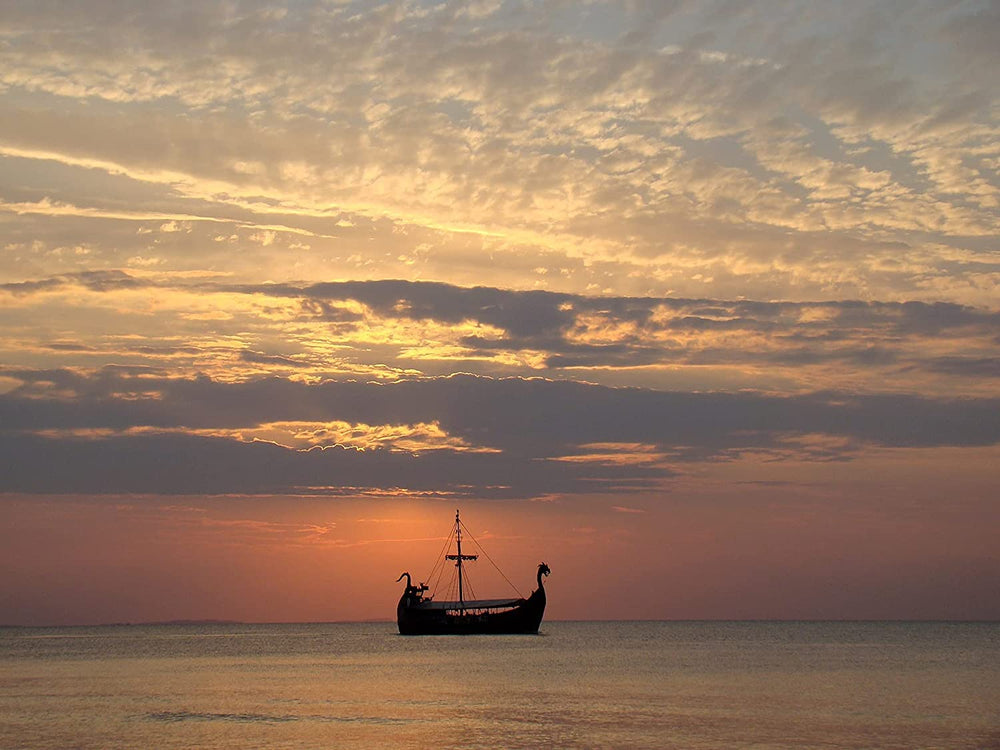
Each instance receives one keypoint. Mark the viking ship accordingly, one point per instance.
(420, 614)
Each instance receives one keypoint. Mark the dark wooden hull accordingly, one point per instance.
(524, 617)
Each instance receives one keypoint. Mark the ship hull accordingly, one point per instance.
(523, 618)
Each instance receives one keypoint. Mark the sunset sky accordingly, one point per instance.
(695, 301)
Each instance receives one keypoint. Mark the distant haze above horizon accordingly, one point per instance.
(695, 301)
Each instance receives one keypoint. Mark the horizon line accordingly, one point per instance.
(379, 621)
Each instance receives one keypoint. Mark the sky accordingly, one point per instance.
(697, 302)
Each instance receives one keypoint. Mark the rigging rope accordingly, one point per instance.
(487, 556)
(439, 563)
(451, 592)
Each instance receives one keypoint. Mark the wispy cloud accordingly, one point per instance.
(700, 150)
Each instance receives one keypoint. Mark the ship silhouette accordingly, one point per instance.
(420, 614)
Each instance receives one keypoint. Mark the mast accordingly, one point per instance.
(458, 558)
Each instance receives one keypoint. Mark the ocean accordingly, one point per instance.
(575, 685)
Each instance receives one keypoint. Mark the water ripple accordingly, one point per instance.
(251, 718)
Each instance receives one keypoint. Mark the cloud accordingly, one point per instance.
(779, 153)
(777, 219)
(576, 331)
(183, 465)
(543, 436)
(390, 328)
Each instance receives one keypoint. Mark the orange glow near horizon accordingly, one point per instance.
(711, 550)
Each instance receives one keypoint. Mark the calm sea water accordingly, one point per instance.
(589, 685)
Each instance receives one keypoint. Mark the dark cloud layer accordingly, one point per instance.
(187, 464)
(525, 424)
